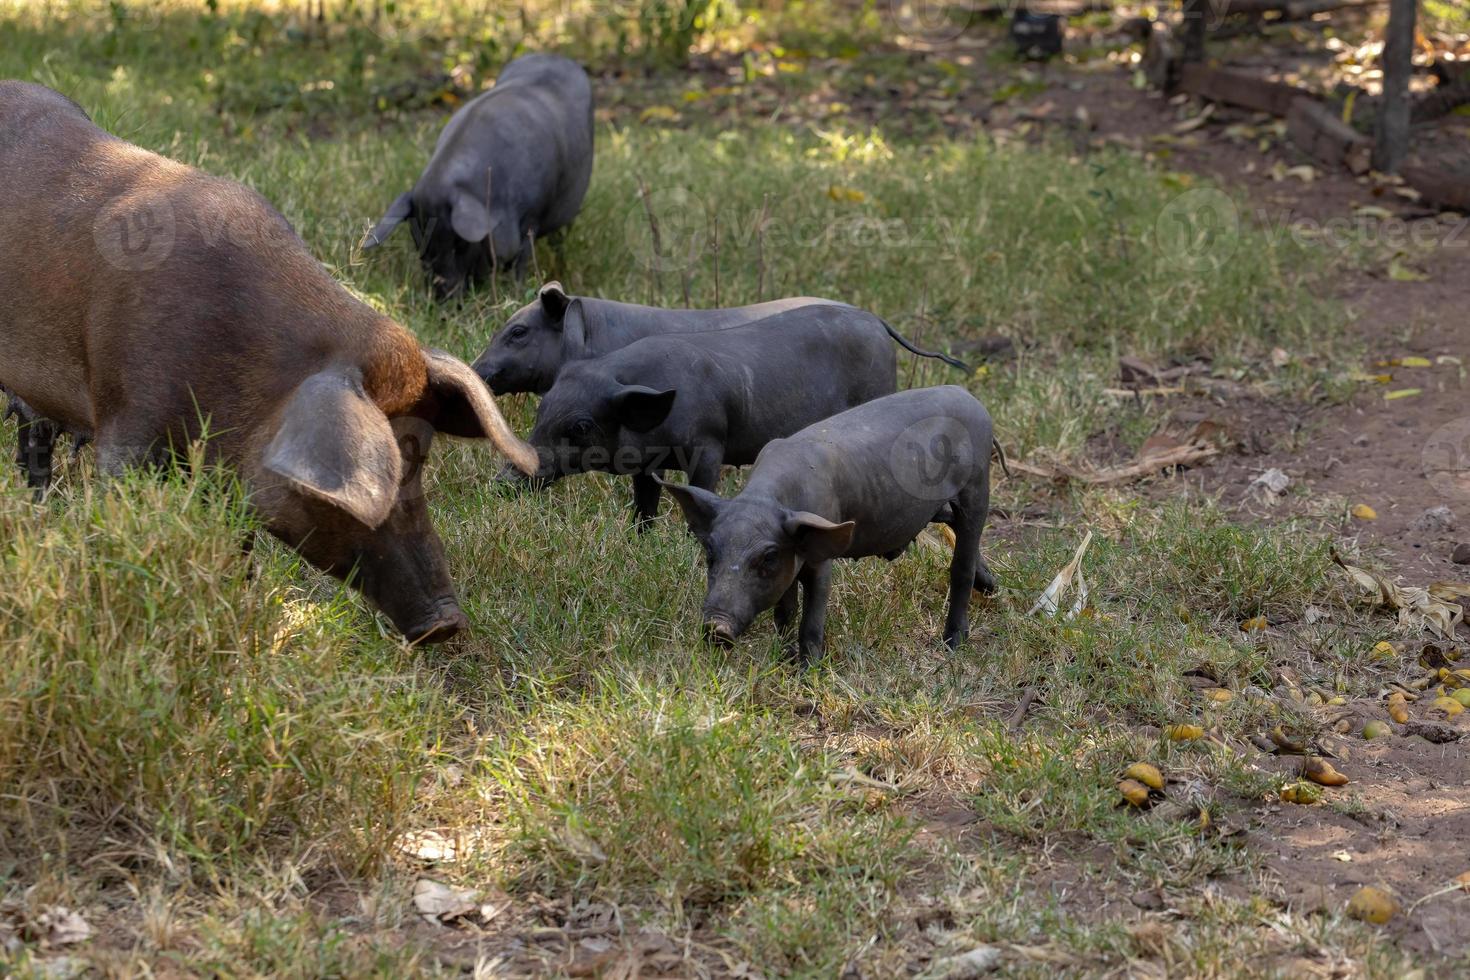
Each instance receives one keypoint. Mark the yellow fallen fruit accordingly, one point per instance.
(1463, 696)
(1372, 905)
(1254, 624)
(1320, 771)
(1383, 649)
(1376, 729)
(1218, 694)
(1146, 774)
(1183, 733)
(1398, 710)
(1304, 794)
(1449, 706)
(1364, 513)
(1285, 742)
(1134, 792)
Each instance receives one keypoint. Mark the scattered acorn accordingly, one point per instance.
(1134, 792)
(1376, 729)
(1449, 706)
(1146, 774)
(1320, 771)
(1302, 793)
(1285, 742)
(1398, 709)
(1372, 905)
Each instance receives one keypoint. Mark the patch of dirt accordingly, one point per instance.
(1409, 810)
(1402, 457)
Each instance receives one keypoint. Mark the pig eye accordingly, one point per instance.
(580, 429)
(768, 564)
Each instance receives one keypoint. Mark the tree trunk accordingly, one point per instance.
(1392, 140)
(1195, 14)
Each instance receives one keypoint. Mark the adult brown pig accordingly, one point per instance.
(147, 303)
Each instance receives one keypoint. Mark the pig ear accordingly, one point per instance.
(336, 445)
(574, 329)
(818, 539)
(640, 409)
(469, 218)
(554, 301)
(464, 407)
(700, 507)
(398, 213)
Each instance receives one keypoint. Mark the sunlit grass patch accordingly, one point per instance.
(168, 693)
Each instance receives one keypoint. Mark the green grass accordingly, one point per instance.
(208, 750)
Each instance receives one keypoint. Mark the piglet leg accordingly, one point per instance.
(785, 613)
(816, 582)
(646, 493)
(969, 519)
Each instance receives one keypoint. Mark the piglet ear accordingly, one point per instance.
(700, 507)
(641, 409)
(554, 301)
(335, 445)
(818, 539)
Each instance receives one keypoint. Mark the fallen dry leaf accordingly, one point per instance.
(60, 926)
(1415, 606)
(440, 903)
(1050, 600)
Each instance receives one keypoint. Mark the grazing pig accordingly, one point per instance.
(146, 302)
(542, 337)
(697, 401)
(865, 482)
(511, 166)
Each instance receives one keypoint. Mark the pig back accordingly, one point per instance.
(144, 295)
(889, 464)
(606, 325)
(768, 379)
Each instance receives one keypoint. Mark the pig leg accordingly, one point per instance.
(785, 612)
(969, 520)
(37, 446)
(646, 493)
(704, 471)
(816, 583)
(984, 579)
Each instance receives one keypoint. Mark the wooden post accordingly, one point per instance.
(1391, 144)
(1195, 14)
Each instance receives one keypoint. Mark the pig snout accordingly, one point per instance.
(444, 621)
(719, 632)
(493, 373)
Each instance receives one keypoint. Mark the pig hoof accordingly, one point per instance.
(719, 633)
(985, 582)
